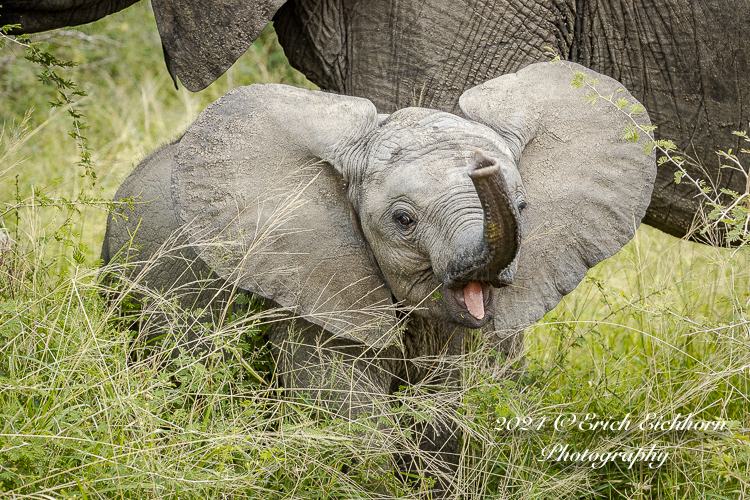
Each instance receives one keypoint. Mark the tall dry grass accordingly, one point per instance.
(658, 330)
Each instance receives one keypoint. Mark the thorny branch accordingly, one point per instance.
(735, 216)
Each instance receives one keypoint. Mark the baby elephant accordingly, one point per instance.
(388, 237)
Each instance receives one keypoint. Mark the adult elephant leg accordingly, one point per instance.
(690, 77)
(435, 351)
(351, 380)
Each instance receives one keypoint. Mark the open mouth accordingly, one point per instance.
(471, 304)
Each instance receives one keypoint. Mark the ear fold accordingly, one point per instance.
(254, 181)
(203, 38)
(588, 188)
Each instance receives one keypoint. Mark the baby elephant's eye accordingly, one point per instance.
(404, 221)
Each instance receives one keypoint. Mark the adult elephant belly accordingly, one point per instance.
(687, 62)
(42, 15)
(407, 53)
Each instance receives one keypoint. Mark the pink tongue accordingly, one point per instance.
(474, 299)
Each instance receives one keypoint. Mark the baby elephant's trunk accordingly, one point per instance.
(502, 227)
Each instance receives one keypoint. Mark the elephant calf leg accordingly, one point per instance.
(437, 434)
(345, 378)
(340, 375)
(353, 381)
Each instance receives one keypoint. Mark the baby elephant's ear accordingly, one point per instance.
(587, 186)
(257, 182)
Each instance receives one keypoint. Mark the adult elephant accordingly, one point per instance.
(687, 61)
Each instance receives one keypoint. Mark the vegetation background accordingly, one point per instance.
(659, 329)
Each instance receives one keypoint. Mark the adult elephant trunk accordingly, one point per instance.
(502, 228)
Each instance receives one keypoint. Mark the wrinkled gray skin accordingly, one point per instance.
(353, 220)
(687, 62)
(428, 180)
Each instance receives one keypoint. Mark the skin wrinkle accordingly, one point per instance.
(449, 70)
(432, 334)
(363, 29)
(434, 132)
(454, 66)
(702, 90)
(415, 147)
(330, 71)
(565, 27)
(680, 124)
(417, 263)
(424, 280)
(393, 21)
(465, 210)
(429, 81)
(354, 165)
(669, 53)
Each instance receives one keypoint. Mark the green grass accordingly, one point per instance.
(131, 108)
(660, 328)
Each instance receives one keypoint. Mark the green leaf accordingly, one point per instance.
(733, 194)
(636, 109)
(552, 53)
(630, 133)
(666, 145)
(78, 256)
(578, 80)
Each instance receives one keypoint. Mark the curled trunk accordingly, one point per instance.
(502, 228)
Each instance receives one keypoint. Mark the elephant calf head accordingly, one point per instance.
(345, 216)
(438, 198)
(317, 202)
